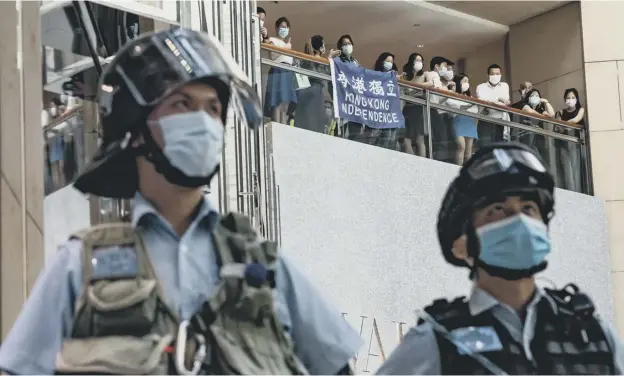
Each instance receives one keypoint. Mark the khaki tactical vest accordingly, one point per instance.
(123, 325)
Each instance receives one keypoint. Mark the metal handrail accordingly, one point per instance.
(411, 99)
(412, 85)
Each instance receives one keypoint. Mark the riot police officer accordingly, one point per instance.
(494, 220)
(180, 289)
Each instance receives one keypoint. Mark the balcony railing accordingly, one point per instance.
(431, 115)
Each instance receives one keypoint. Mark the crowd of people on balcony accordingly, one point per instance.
(454, 136)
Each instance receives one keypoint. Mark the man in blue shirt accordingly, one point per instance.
(163, 106)
(494, 220)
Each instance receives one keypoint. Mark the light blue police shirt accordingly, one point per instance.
(187, 269)
(419, 354)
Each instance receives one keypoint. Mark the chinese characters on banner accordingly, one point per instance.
(366, 96)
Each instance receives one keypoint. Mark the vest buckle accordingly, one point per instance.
(180, 351)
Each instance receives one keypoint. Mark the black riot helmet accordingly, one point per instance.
(495, 171)
(140, 76)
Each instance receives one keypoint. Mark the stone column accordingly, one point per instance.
(21, 156)
(603, 54)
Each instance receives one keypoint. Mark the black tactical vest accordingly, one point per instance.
(567, 341)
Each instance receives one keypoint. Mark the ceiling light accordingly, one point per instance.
(420, 46)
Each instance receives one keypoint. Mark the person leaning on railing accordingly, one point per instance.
(464, 127)
(438, 76)
(413, 71)
(310, 112)
(568, 154)
(494, 91)
(535, 104)
(280, 92)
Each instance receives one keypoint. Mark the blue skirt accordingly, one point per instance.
(280, 88)
(465, 126)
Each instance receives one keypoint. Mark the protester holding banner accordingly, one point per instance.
(345, 46)
(280, 82)
(364, 96)
(386, 138)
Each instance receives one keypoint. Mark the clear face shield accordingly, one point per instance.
(159, 64)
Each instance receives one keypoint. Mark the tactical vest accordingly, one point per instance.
(122, 325)
(567, 341)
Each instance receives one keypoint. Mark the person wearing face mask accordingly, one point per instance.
(181, 288)
(310, 112)
(280, 86)
(385, 138)
(414, 116)
(535, 104)
(464, 127)
(497, 92)
(573, 111)
(494, 220)
(345, 45)
(568, 158)
(441, 123)
(349, 129)
(264, 33)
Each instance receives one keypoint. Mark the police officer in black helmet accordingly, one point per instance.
(494, 220)
(181, 289)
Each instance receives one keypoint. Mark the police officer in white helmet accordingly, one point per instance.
(180, 289)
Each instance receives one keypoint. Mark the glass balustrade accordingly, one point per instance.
(433, 119)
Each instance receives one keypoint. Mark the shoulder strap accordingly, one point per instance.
(575, 313)
(570, 301)
(238, 242)
(448, 313)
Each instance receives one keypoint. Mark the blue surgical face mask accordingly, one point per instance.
(387, 65)
(283, 32)
(193, 142)
(518, 243)
(442, 72)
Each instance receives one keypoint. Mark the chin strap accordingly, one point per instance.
(510, 274)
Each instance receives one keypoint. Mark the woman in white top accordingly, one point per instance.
(280, 91)
(464, 127)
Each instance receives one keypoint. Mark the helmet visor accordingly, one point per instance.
(158, 64)
(504, 160)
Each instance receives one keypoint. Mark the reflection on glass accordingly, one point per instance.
(63, 128)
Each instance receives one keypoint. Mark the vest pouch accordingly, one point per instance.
(121, 355)
(246, 348)
(123, 307)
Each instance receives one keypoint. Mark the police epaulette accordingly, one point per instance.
(444, 311)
